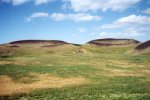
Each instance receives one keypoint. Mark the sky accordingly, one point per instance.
(74, 21)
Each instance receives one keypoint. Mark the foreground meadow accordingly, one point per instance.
(74, 73)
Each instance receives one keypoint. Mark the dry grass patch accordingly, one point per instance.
(12, 62)
(117, 72)
(4, 62)
(123, 74)
(124, 64)
(8, 86)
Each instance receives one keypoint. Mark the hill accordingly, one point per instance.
(113, 42)
(35, 70)
(143, 48)
(36, 43)
(57, 46)
(38, 47)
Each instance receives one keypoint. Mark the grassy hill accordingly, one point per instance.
(64, 71)
(113, 42)
(143, 48)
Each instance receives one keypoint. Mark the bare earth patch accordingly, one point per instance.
(8, 86)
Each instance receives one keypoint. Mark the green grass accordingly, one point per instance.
(17, 71)
(95, 65)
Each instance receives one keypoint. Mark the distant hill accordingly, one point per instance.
(112, 41)
(57, 46)
(38, 41)
(143, 48)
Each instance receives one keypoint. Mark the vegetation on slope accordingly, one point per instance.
(102, 73)
(143, 48)
(112, 41)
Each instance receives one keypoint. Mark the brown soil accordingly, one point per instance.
(13, 46)
(8, 86)
(143, 45)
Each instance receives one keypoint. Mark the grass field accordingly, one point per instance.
(61, 73)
